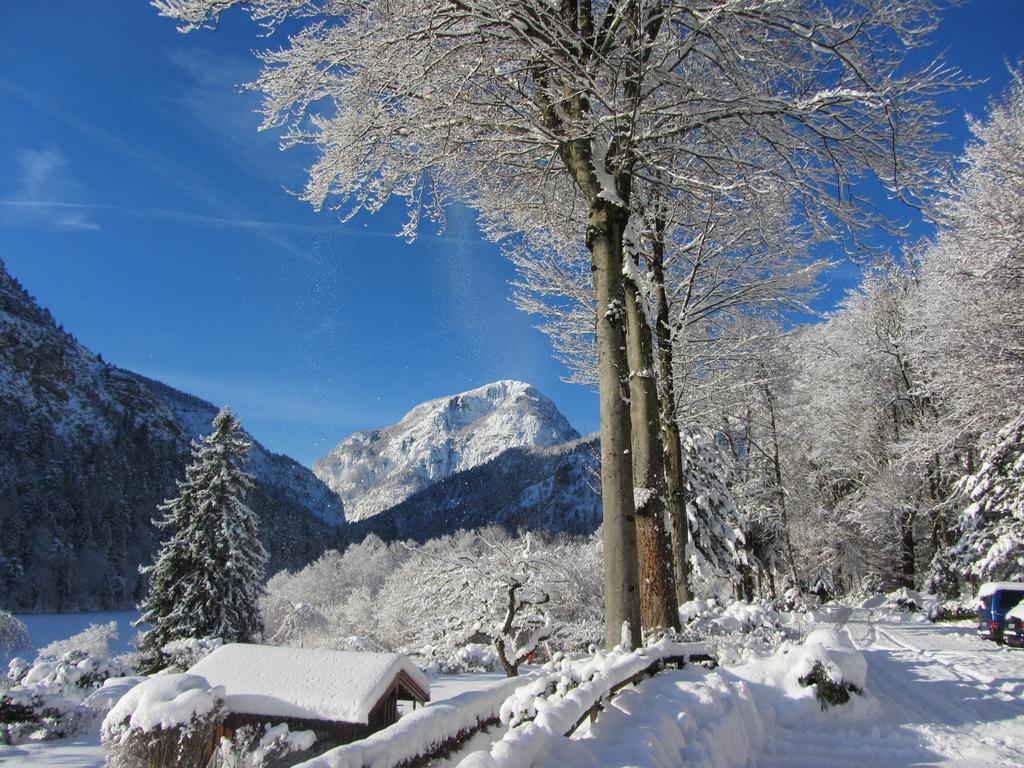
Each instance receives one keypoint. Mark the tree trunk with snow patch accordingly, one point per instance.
(658, 606)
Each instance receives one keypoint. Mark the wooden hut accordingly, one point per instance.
(342, 696)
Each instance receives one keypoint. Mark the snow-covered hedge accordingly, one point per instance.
(253, 747)
(165, 721)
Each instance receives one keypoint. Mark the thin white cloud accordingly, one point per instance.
(197, 187)
(45, 195)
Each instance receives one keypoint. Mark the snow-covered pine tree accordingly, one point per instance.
(208, 576)
(717, 544)
(992, 544)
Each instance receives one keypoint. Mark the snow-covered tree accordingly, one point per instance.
(208, 576)
(992, 543)
(13, 634)
(498, 103)
(489, 589)
(94, 640)
(717, 547)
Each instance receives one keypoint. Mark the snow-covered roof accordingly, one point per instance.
(316, 684)
(990, 588)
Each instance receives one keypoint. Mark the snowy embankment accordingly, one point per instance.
(689, 717)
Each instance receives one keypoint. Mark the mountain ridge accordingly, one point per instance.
(87, 452)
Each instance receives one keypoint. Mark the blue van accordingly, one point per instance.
(994, 600)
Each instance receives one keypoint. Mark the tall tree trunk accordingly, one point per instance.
(658, 606)
(907, 550)
(621, 582)
(777, 469)
(671, 442)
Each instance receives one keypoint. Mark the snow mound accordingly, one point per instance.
(161, 702)
(834, 650)
(316, 684)
(111, 692)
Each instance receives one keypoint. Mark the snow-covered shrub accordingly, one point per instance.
(956, 609)
(812, 676)
(456, 658)
(904, 599)
(182, 654)
(13, 634)
(94, 640)
(301, 626)
(47, 699)
(165, 721)
(251, 748)
(29, 713)
(735, 630)
(18, 668)
(829, 661)
(794, 600)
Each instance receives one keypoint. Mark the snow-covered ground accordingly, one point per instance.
(936, 695)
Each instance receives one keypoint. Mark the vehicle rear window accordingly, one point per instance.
(1005, 600)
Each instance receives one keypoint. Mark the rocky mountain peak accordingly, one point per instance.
(378, 469)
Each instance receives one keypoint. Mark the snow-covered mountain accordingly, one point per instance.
(379, 469)
(88, 450)
(554, 489)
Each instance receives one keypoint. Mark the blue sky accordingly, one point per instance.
(139, 204)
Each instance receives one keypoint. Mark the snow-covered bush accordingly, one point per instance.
(904, 599)
(47, 700)
(829, 661)
(821, 672)
(250, 748)
(956, 609)
(455, 658)
(736, 630)
(13, 634)
(301, 626)
(165, 721)
(94, 641)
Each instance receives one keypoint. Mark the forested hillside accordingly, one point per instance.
(88, 451)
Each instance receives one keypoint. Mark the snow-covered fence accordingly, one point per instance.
(575, 691)
(555, 705)
(426, 734)
(557, 698)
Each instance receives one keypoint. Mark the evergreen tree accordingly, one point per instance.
(717, 546)
(208, 576)
(992, 544)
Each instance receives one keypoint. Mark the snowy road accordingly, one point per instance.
(943, 697)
